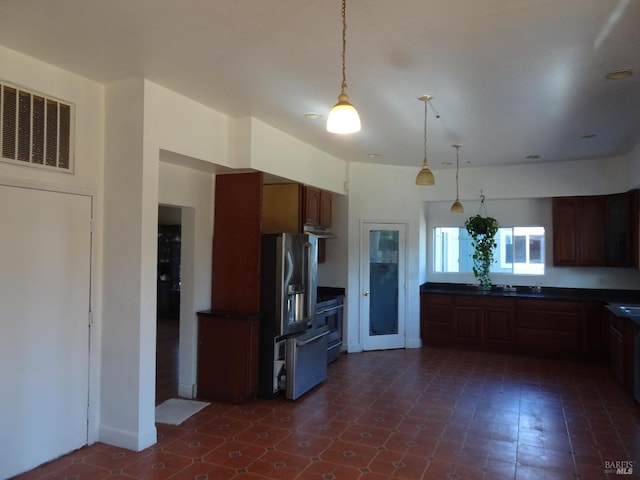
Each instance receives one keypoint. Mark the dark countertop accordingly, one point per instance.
(603, 296)
(616, 309)
(230, 315)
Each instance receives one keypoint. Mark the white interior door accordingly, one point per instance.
(45, 252)
(383, 280)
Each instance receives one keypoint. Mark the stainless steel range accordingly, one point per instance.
(329, 313)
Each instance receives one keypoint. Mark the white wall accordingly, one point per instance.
(130, 252)
(379, 193)
(278, 153)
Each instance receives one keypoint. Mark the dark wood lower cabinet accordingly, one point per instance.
(436, 319)
(486, 322)
(617, 347)
(553, 326)
(510, 324)
(228, 346)
(499, 326)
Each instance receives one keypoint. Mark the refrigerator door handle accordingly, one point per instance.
(308, 264)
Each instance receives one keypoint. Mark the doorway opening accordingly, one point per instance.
(169, 284)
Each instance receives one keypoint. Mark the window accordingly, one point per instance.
(519, 251)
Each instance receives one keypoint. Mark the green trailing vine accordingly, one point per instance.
(482, 231)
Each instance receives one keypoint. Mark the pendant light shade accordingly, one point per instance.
(343, 117)
(425, 177)
(457, 206)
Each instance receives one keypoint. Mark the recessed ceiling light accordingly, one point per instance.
(374, 155)
(533, 157)
(619, 74)
(589, 135)
(312, 115)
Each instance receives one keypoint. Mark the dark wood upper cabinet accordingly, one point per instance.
(281, 208)
(311, 206)
(325, 208)
(579, 231)
(565, 221)
(237, 238)
(592, 234)
(290, 207)
(596, 230)
(622, 229)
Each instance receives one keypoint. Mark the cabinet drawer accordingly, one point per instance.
(545, 341)
(437, 299)
(549, 321)
(548, 305)
(439, 314)
(485, 302)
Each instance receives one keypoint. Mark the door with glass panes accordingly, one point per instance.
(383, 280)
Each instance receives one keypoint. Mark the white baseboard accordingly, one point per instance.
(129, 440)
(187, 390)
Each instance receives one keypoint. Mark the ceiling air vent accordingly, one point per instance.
(35, 129)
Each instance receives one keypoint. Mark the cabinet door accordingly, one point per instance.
(325, 209)
(592, 231)
(579, 231)
(281, 208)
(237, 241)
(616, 353)
(565, 222)
(622, 229)
(467, 327)
(311, 206)
(227, 358)
(436, 318)
(499, 327)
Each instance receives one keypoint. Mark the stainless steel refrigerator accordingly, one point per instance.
(291, 354)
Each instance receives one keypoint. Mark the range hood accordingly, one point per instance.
(318, 232)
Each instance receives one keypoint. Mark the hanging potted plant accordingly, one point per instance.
(482, 230)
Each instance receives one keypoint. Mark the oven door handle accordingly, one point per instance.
(327, 310)
(322, 332)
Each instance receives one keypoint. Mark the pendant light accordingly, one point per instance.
(457, 206)
(425, 177)
(343, 117)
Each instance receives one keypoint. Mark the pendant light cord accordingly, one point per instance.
(344, 45)
(457, 170)
(425, 131)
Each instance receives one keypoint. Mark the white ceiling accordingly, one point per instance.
(510, 78)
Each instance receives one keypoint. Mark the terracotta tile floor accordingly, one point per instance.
(398, 415)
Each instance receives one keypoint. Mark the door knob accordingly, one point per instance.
(366, 294)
